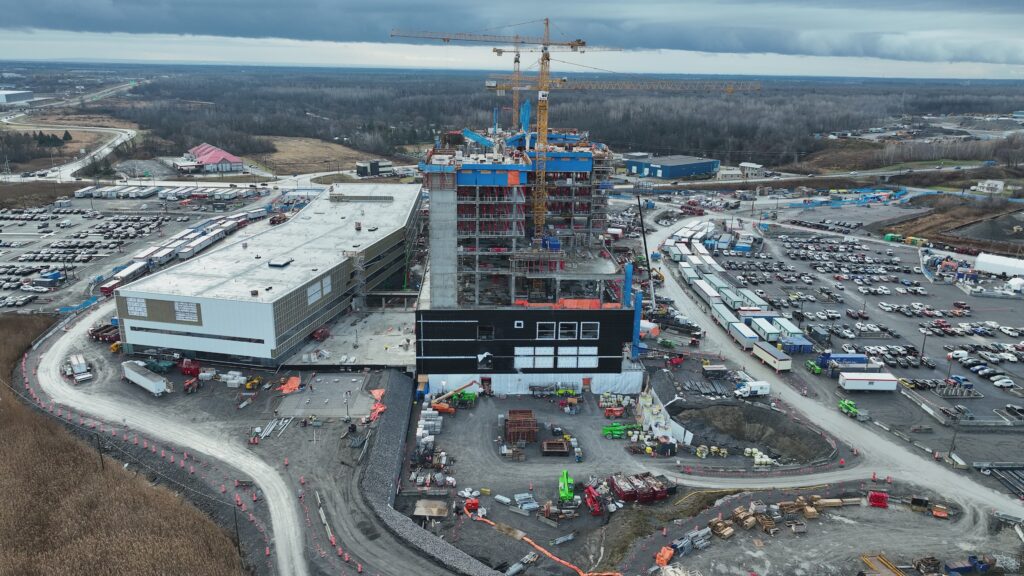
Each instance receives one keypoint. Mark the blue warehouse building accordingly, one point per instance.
(673, 167)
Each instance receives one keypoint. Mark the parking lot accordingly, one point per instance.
(859, 296)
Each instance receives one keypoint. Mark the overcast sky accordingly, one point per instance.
(886, 38)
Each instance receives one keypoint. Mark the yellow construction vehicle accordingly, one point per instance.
(115, 347)
(253, 383)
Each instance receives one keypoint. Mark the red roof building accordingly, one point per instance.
(209, 158)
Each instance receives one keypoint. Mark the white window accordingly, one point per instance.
(567, 362)
(588, 361)
(186, 312)
(588, 350)
(524, 350)
(136, 307)
(545, 330)
(313, 294)
(567, 350)
(590, 330)
(544, 362)
(544, 351)
(518, 324)
(566, 330)
(327, 285)
(521, 362)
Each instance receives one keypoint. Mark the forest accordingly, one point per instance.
(18, 147)
(380, 111)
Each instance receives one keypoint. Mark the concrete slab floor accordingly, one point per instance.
(325, 397)
(378, 337)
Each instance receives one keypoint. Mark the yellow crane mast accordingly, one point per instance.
(545, 42)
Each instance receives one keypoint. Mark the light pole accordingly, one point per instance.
(920, 353)
(956, 429)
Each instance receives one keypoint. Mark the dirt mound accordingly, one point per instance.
(742, 426)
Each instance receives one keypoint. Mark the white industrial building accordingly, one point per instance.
(991, 186)
(999, 265)
(15, 96)
(257, 300)
(751, 170)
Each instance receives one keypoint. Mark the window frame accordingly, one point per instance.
(553, 327)
(596, 327)
(575, 330)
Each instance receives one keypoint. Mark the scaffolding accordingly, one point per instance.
(482, 208)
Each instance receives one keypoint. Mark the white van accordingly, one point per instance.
(958, 354)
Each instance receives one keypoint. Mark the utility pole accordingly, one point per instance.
(956, 429)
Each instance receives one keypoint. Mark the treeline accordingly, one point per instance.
(1007, 151)
(17, 147)
(381, 111)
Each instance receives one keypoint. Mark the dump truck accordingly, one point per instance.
(136, 371)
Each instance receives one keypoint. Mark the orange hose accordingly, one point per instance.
(542, 550)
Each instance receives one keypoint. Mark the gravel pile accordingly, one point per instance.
(380, 475)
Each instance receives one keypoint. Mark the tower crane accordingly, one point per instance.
(543, 84)
(516, 77)
(540, 191)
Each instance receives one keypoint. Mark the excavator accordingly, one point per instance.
(443, 407)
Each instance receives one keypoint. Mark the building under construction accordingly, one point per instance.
(510, 301)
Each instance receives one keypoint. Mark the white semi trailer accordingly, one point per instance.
(155, 384)
(868, 382)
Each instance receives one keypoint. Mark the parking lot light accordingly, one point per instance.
(920, 352)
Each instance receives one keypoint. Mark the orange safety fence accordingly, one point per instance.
(543, 550)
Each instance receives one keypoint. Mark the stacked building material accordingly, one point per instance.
(520, 426)
(430, 421)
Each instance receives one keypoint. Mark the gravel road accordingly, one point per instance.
(147, 418)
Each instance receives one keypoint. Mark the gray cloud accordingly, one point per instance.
(984, 31)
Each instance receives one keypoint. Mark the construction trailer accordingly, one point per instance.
(722, 315)
(765, 329)
(743, 335)
(772, 356)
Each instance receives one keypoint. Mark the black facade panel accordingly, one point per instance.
(452, 341)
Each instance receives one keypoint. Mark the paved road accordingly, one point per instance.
(66, 171)
(286, 521)
(880, 452)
